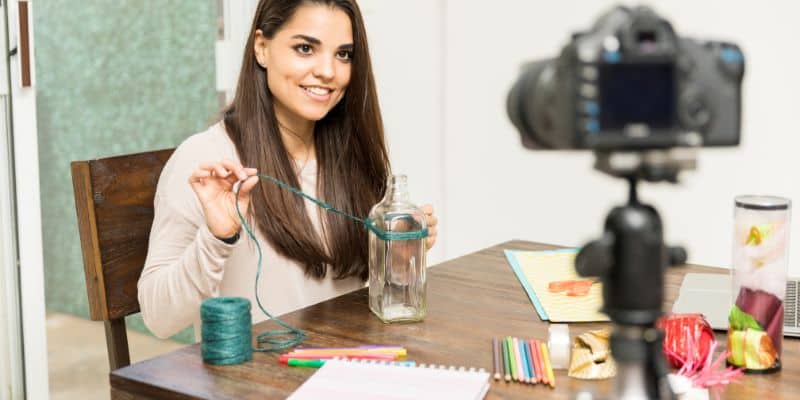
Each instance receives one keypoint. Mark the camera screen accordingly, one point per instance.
(637, 93)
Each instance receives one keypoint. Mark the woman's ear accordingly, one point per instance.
(261, 47)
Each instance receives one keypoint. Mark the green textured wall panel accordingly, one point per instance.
(112, 77)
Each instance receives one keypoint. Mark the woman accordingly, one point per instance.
(306, 113)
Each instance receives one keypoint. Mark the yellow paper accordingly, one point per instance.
(540, 268)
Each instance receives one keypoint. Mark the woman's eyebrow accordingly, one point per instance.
(315, 41)
(309, 39)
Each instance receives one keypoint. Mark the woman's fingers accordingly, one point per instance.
(248, 185)
(431, 240)
(198, 175)
(235, 168)
(249, 182)
(431, 220)
(226, 170)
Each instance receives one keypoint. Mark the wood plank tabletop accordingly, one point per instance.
(470, 300)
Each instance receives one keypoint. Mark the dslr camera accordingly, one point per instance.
(630, 83)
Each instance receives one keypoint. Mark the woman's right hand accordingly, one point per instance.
(214, 185)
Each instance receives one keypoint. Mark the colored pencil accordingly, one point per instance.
(529, 354)
(518, 359)
(539, 360)
(524, 360)
(380, 357)
(548, 365)
(293, 362)
(524, 349)
(506, 365)
(393, 351)
(511, 362)
(511, 358)
(364, 347)
(523, 373)
(515, 356)
(496, 358)
(305, 363)
(539, 374)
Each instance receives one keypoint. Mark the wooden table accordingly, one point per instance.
(470, 299)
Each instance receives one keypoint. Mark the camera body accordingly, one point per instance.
(630, 83)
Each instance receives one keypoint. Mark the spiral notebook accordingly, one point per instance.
(340, 379)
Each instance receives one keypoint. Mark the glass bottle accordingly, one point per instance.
(397, 267)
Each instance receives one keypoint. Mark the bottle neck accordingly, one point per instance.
(397, 189)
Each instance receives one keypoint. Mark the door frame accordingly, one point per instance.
(23, 182)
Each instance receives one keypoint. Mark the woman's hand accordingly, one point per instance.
(432, 221)
(214, 185)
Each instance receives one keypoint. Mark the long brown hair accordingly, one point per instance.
(352, 160)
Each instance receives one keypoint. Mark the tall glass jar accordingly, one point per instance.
(397, 267)
(760, 265)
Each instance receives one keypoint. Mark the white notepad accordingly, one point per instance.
(339, 379)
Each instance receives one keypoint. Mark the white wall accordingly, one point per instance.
(497, 191)
(405, 39)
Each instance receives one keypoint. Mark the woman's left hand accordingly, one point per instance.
(432, 221)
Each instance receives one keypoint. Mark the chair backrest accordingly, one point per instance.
(114, 203)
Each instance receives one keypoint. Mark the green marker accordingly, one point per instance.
(294, 362)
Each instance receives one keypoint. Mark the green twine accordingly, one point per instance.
(226, 330)
(369, 223)
(277, 340)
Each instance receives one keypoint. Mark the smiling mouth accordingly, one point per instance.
(317, 92)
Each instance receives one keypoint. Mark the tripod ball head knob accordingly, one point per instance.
(677, 256)
(597, 257)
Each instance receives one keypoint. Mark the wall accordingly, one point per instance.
(408, 66)
(497, 191)
(113, 78)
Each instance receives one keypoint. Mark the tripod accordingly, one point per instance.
(630, 259)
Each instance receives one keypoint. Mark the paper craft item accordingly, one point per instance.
(556, 290)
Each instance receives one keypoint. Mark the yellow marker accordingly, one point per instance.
(548, 366)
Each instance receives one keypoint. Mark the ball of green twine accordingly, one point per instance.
(226, 330)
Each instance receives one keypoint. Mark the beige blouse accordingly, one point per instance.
(187, 264)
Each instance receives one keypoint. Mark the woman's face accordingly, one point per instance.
(308, 62)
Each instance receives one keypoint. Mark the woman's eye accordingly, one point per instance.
(303, 48)
(345, 55)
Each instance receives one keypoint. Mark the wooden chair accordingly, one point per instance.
(114, 203)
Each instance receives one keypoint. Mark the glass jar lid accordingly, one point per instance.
(760, 202)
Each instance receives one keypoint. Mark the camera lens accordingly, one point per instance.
(525, 106)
